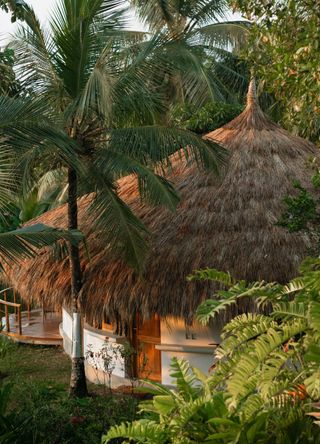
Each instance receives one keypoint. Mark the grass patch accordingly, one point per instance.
(39, 409)
(25, 364)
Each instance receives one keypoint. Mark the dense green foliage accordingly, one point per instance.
(196, 413)
(284, 49)
(193, 50)
(207, 118)
(8, 82)
(301, 211)
(265, 384)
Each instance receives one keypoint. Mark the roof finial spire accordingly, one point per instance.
(252, 92)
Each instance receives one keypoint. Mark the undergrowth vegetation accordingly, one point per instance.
(35, 407)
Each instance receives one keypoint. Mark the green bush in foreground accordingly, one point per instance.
(265, 387)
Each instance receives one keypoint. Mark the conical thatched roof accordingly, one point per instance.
(227, 223)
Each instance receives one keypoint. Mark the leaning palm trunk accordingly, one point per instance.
(78, 385)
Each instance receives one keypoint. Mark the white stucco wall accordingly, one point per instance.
(194, 344)
(173, 331)
(94, 340)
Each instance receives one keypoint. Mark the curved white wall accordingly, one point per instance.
(196, 345)
(94, 340)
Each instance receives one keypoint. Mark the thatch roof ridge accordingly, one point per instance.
(228, 223)
(252, 98)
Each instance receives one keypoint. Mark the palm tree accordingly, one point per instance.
(25, 133)
(99, 96)
(199, 44)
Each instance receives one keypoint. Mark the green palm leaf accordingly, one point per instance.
(122, 230)
(25, 242)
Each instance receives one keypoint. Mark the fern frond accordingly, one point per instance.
(247, 328)
(314, 315)
(312, 384)
(185, 378)
(143, 431)
(293, 287)
(246, 373)
(211, 274)
(244, 320)
(288, 310)
(211, 308)
(187, 411)
(251, 405)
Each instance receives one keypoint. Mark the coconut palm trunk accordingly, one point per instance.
(78, 385)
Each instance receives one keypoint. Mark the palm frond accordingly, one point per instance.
(28, 132)
(231, 34)
(287, 310)
(122, 230)
(153, 188)
(25, 242)
(204, 11)
(156, 144)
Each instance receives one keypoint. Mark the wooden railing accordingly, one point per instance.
(17, 311)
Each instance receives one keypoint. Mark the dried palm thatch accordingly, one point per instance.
(227, 223)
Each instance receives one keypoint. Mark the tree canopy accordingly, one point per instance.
(284, 49)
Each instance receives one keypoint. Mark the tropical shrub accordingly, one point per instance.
(267, 358)
(302, 212)
(265, 384)
(194, 413)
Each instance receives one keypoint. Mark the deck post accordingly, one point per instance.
(19, 320)
(6, 309)
(15, 301)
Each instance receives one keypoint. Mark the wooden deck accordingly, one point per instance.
(35, 329)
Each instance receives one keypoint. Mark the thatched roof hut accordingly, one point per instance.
(227, 223)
